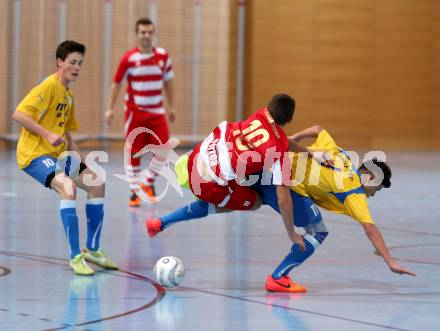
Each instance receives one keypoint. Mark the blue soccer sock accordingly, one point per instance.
(296, 256)
(196, 209)
(95, 217)
(70, 223)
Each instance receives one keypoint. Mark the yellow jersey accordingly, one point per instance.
(338, 190)
(49, 104)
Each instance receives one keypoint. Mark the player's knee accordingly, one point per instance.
(315, 235)
(320, 227)
(318, 231)
(64, 186)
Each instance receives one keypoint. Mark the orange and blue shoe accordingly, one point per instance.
(134, 200)
(154, 226)
(150, 192)
(284, 284)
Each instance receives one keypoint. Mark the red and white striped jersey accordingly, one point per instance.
(146, 75)
(237, 149)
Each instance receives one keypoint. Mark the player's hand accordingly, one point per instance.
(399, 270)
(298, 239)
(323, 158)
(171, 114)
(109, 117)
(54, 139)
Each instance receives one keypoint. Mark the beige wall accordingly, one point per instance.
(85, 24)
(366, 70)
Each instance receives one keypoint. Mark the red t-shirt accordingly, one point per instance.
(146, 75)
(235, 150)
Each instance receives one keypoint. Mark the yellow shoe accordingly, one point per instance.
(80, 267)
(98, 258)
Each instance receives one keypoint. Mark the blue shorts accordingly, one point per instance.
(305, 212)
(44, 168)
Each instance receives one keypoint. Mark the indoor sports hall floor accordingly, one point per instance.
(227, 258)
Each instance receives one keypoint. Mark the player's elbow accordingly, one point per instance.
(317, 129)
(16, 116)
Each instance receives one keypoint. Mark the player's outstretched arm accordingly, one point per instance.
(29, 123)
(286, 211)
(321, 157)
(312, 132)
(373, 233)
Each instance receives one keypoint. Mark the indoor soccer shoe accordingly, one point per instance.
(154, 226)
(98, 258)
(80, 267)
(150, 192)
(284, 284)
(134, 200)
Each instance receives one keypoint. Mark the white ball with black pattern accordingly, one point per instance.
(169, 271)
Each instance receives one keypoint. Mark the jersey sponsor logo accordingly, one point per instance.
(61, 110)
(61, 106)
(212, 153)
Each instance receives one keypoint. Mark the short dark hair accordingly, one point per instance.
(67, 47)
(281, 107)
(386, 170)
(143, 21)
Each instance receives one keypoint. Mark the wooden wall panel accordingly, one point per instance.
(30, 50)
(174, 33)
(368, 70)
(342, 69)
(435, 114)
(403, 74)
(279, 54)
(310, 49)
(232, 58)
(122, 40)
(214, 65)
(85, 24)
(4, 68)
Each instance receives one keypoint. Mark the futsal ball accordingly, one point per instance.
(169, 271)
